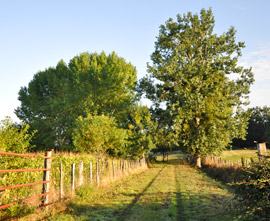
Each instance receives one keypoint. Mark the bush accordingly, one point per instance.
(254, 190)
(251, 185)
(14, 138)
(99, 135)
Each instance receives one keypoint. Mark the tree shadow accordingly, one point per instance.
(143, 206)
(134, 201)
(122, 212)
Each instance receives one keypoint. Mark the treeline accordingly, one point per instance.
(92, 103)
(88, 105)
(258, 129)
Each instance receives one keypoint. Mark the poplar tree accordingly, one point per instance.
(189, 78)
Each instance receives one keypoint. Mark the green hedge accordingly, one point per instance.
(253, 187)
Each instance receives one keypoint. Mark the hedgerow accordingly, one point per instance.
(253, 188)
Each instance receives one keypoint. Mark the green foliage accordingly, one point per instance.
(11, 179)
(14, 138)
(140, 131)
(251, 186)
(90, 83)
(254, 190)
(17, 194)
(163, 140)
(189, 76)
(99, 135)
(258, 127)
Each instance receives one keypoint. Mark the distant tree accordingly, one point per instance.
(90, 83)
(99, 135)
(189, 78)
(258, 127)
(163, 141)
(14, 138)
(164, 137)
(140, 131)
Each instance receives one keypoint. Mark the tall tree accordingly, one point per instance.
(90, 83)
(189, 75)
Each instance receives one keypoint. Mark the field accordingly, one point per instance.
(235, 155)
(165, 191)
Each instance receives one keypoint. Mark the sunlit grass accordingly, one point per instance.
(235, 155)
(166, 191)
(203, 198)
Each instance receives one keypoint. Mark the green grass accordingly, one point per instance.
(235, 155)
(168, 191)
(203, 198)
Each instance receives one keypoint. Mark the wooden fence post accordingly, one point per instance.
(91, 173)
(81, 174)
(72, 178)
(113, 170)
(97, 177)
(46, 177)
(61, 193)
(117, 167)
(120, 167)
(101, 169)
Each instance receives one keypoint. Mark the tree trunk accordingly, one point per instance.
(197, 161)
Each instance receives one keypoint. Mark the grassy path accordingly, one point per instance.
(163, 192)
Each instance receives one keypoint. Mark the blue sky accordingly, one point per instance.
(37, 34)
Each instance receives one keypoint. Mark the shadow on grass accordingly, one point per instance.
(179, 161)
(202, 200)
(178, 196)
(120, 212)
(134, 201)
(191, 205)
(141, 211)
(201, 206)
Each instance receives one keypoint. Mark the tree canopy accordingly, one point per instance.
(190, 76)
(258, 127)
(90, 83)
